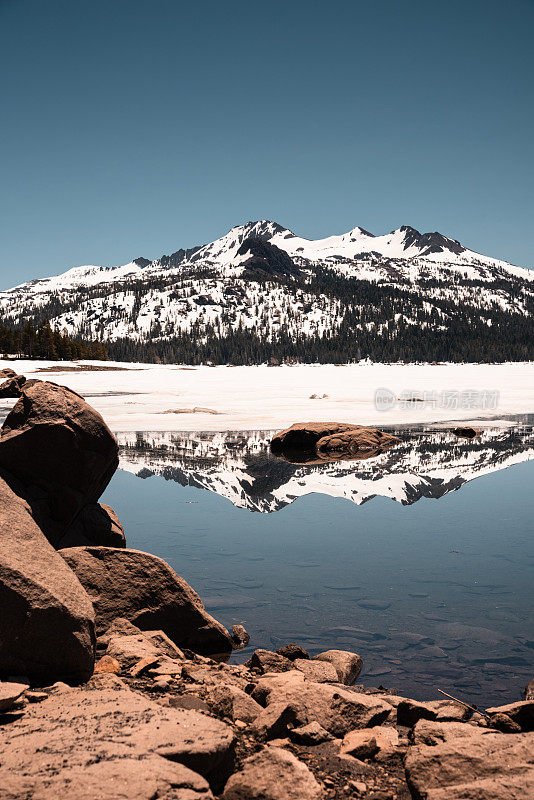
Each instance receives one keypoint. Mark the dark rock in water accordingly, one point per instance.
(55, 443)
(240, 637)
(146, 591)
(316, 442)
(292, 651)
(529, 691)
(12, 387)
(7, 373)
(467, 433)
(46, 619)
(96, 524)
(302, 437)
(358, 443)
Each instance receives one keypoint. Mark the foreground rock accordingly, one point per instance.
(456, 761)
(337, 710)
(146, 591)
(46, 619)
(121, 779)
(273, 774)
(324, 441)
(97, 524)
(100, 735)
(61, 448)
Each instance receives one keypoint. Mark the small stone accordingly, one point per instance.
(274, 721)
(167, 667)
(143, 664)
(106, 680)
(358, 786)
(348, 665)
(292, 651)
(359, 744)
(233, 703)
(310, 734)
(240, 637)
(36, 697)
(504, 723)
(107, 664)
(522, 713)
(162, 683)
(451, 712)
(267, 661)
(529, 691)
(10, 694)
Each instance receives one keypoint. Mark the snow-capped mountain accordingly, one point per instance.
(238, 466)
(356, 290)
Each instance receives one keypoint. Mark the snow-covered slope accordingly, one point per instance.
(226, 286)
(239, 467)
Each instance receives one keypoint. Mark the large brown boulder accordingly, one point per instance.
(46, 617)
(86, 743)
(327, 441)
(96, 524)
(60, 449)
(145, 590)
(458, 761)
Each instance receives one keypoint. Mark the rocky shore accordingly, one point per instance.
(115, 681)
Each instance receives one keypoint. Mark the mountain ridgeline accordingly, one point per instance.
(261, 293)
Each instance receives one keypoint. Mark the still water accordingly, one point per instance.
(421, 560)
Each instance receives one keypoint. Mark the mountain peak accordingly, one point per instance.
(260, 229)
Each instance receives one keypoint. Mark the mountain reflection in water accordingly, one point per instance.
(427, 463)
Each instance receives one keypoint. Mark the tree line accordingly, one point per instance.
(45, 342)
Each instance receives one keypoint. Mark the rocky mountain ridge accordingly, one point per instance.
(260, 291)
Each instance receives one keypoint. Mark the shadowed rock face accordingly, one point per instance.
(61, 449)
(96, 524)
(143, 589)
(316, 442)
(46, 617)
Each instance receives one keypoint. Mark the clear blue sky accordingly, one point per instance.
(135, 127)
